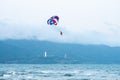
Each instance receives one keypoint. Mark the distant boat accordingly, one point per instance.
(45, 54)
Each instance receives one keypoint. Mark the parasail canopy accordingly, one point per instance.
(53, 20)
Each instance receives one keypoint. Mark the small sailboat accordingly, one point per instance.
(45, 54)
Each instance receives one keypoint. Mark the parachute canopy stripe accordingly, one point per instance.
(55, 17)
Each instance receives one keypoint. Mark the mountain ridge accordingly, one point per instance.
(31, 52)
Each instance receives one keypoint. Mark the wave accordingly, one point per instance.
(57, 72)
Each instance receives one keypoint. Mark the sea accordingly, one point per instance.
(59, 72)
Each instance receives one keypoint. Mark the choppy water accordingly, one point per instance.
(59, 72)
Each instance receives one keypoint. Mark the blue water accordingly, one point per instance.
(59, 72)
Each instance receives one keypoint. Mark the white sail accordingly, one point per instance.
(45, 54)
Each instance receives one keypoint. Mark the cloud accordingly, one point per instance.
(22, 31)
(104, 34)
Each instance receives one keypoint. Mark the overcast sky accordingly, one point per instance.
(82, 21)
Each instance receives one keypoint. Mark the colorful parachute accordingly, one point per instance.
(54, 20)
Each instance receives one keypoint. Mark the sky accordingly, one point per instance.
(81, 21)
